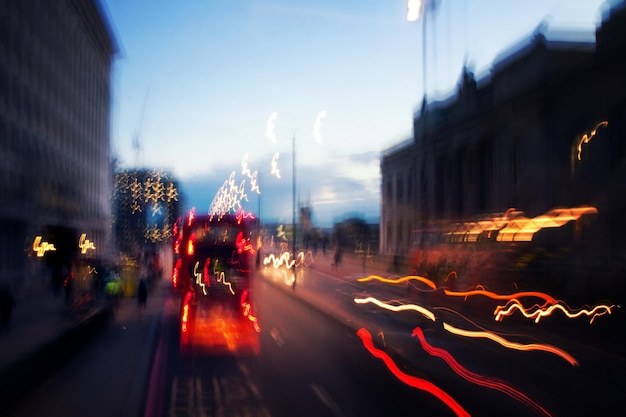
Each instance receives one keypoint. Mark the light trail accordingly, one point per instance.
(244, 245)
(305, 258)
(495, 296)
(228, 198)
(252, 175)
(302, 258)
(247, 311)
(270, 131)
(414, 8)
(274, 170)
(424, 280)
(185, 315)
(241, 215)
(284, 259)
(410, 380)
(221, 277)
(477, 378)
(490, 294)
(540, 312)
(586, 138)
(40, 247)
(244, 166)
(523, 229)
(403, 307)
(85, 244)
(511, 345)
(318, 125)
(253, 183)
(199, 279)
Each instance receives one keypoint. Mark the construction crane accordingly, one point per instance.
(137, 145)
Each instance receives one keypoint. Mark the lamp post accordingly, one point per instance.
(293, 205)
(272, 135)
(415, 10)
(256, 178)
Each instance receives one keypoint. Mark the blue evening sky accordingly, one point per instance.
(197, 80)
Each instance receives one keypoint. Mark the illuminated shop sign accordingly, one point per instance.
(40, 247)
(85, 244)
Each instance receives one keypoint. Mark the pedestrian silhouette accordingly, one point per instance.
(337, 257)
(142, 296)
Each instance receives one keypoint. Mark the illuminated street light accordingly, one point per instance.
(414, 7)
(415, 10)
(271, 134)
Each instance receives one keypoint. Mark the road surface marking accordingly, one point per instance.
(276, 336)
(326, 399)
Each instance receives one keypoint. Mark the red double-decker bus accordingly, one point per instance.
(213, 274)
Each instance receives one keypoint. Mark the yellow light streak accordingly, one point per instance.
(403, 307)
(221, 277)
(302, 259)
(424, 280)
(85, 244)
(172, 192)
(283, 259)
(511, 345)
(198, 276)
(586, 138)
(490, 294)
(41, 247)
(523, 229)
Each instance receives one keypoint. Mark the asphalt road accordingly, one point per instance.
(309, 365)
(312, 362)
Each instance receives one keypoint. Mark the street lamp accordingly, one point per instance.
(415, 9)
(271, 134)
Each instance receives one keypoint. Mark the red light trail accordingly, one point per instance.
(474, 377)
(410, 380)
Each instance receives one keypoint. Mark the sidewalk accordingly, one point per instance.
(43, 333)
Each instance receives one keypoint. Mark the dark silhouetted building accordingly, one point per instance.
(511, 140)
(55, 172)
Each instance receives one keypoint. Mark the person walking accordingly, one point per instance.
(142, 296)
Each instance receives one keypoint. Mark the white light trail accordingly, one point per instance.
(271, 130)
(317, 126)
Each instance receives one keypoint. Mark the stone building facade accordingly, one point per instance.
(55, 170)
(511, 140)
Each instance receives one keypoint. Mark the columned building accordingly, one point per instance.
(546, 129)
(55, 171)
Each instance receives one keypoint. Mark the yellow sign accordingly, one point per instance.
(85, 244)
(41, 247)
